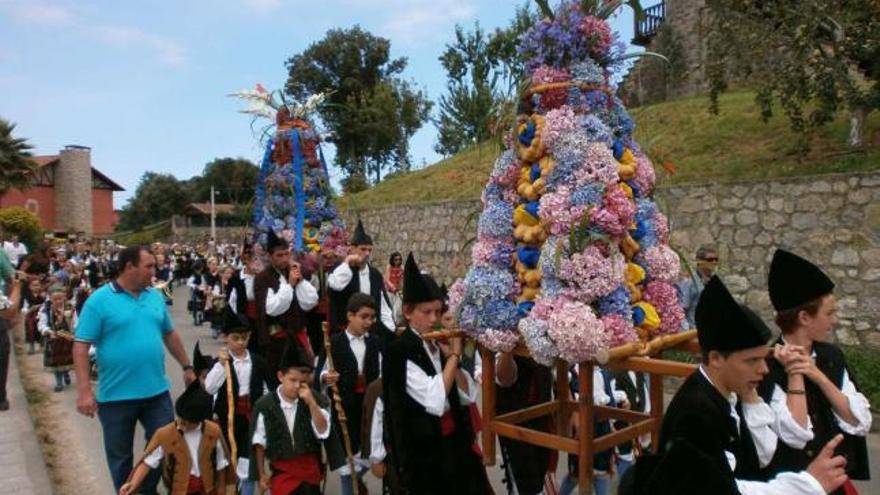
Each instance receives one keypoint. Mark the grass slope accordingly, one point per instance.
(734, 145)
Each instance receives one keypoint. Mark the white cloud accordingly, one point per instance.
(41, 13)
(30, 12)
(168, 50)
(416, 21)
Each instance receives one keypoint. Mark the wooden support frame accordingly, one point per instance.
(563, 405)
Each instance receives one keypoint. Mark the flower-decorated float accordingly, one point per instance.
(293, 192)
(572, 262)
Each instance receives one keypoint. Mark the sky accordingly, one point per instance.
(143, 83)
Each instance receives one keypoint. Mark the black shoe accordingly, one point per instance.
(67, 378)
(59, 387)
(4, 405)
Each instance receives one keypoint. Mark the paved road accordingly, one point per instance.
(22, 470)
(90, 436)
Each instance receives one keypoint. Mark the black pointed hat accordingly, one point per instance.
(200, 362)
(294, 356)
(194, 404)
(726, 325)
(233, 323)
(274, 242)
(418, 287)
(794, 281)
(360, 237)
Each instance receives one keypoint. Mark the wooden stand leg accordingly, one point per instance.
(563, 393)
(488, 433)
(656, 392)
(585, 428)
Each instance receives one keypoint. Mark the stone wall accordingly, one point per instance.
(833, 220)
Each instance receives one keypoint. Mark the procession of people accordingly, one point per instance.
(762, 414)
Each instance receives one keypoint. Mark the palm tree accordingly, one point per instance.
(16, 168)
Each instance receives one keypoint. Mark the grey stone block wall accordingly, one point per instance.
(73, 191)
(833, 220)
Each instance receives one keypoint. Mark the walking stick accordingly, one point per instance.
(230, 421)
(340, 412)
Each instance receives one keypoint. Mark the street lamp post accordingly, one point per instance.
(213, 217)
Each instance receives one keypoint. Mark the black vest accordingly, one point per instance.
(346, 365)
(830, 360)
(260, 378)
(339, 302)
(700, 417)
(427, 462)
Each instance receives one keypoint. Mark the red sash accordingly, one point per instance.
(194, 487)
(361, 385)
(243, 405)
(302, 337)
(288, 474)
(447, 424)
(250, 309)
(849, 488)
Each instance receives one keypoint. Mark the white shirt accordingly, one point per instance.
(242, 366)
(359, 349)
(289, 410)
(758, 419)
(429, 391)
(15, 253)
(277, 303)
(377, 445)
(858, 404)
(341, 276)
(192, 438)
(43, 321)
(248, 280)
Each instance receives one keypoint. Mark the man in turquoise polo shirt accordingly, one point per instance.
(128, 323)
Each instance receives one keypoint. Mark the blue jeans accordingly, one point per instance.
(247, 487)
(622, 467)
(601, 485)
(345, 481)
(118, 420)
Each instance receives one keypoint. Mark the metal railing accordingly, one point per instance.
(647, 27)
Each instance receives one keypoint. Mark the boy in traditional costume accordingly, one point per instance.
(353, 275)
(717, 433)
(250, 380)
(282, 297)
(56, 323)
(808, 384)
(357, 359)
(427, 396)
(190, 449)
(290, 424)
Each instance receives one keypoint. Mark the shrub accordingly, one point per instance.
(20, 221)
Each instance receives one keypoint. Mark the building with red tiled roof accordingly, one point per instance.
(68, 194)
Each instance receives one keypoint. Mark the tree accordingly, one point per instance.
(16, 168)
(371, 112)
(813, 57)
(483, 73)
(157, 198)
(234, 179)
(21, 222)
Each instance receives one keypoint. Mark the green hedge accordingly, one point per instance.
(864, 364)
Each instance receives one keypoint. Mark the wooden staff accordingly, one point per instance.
(340, 412)
(230, 419)
(444, 334)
